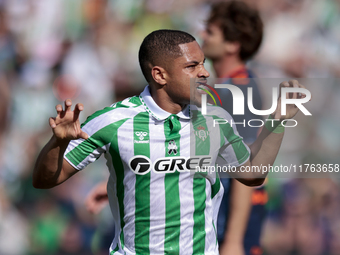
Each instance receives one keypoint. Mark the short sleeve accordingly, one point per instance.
(233, 150)
(98, 126)
(80, 153)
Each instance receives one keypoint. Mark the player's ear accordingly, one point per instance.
(232, 47)
(159, 75)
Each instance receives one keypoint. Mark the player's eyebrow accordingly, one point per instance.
(194, 62)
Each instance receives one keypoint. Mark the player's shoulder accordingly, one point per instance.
(116, 112)
(216, 111)
(128, 104)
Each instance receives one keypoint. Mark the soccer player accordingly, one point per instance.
(158, 208)
(233, 35)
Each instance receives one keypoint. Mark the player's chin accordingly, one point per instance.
(196, 99)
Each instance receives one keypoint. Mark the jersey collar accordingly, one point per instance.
(157, 112)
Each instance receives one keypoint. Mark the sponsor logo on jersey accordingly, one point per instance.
(201, 133)
(142, 165)
(141, 136)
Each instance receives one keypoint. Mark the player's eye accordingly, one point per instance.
(191, 66)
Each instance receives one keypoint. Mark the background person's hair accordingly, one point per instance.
(239, 23)
(160, 47)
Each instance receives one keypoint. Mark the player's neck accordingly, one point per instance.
(225, 66)
(164, 101)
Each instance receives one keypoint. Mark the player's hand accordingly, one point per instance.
(97, 199)
(66, 125)
(232, 248)
(291, 109)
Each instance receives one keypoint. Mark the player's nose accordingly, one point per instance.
(203, 73)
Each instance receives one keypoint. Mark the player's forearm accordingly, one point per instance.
(47, 172)
(240, 207)
(265, 149)
(263, 154)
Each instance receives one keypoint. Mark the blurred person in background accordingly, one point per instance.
(307, 221)
(233, 35)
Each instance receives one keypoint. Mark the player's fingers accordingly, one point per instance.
(301, 86)
(294, 84)
(83, 135)
(77, 109)
(95, 203)
(302, 95)
(59, 108)
(283, 84)
(90, 206)
(68, 104)
(52, 122)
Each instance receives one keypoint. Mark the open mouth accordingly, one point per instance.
(201, 88)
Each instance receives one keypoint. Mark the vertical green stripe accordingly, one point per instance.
(119, 170)
(171, 184)
(215, 188)
(202, 147)
(142, 186)
(202, 135)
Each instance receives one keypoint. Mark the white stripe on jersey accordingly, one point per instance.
(186, 196)
(157, 191)
(126, 151)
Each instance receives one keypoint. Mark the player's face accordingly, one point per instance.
(183, 71)
(213, 42)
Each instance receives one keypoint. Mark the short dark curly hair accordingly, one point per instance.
(160, 47)
(239, 23)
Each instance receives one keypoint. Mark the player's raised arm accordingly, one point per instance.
(266, 147)
(50, 168)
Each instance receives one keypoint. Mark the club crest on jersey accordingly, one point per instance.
(201, 133)
(141, 136)
(172, 147)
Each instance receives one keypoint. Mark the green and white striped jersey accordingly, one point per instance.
(159, 207)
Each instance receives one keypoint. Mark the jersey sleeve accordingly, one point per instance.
(80, 153)
(233, 150)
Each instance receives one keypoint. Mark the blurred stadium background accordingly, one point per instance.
(87, 50)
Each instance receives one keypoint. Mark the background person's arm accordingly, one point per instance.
(97, 199)
(239, 211)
